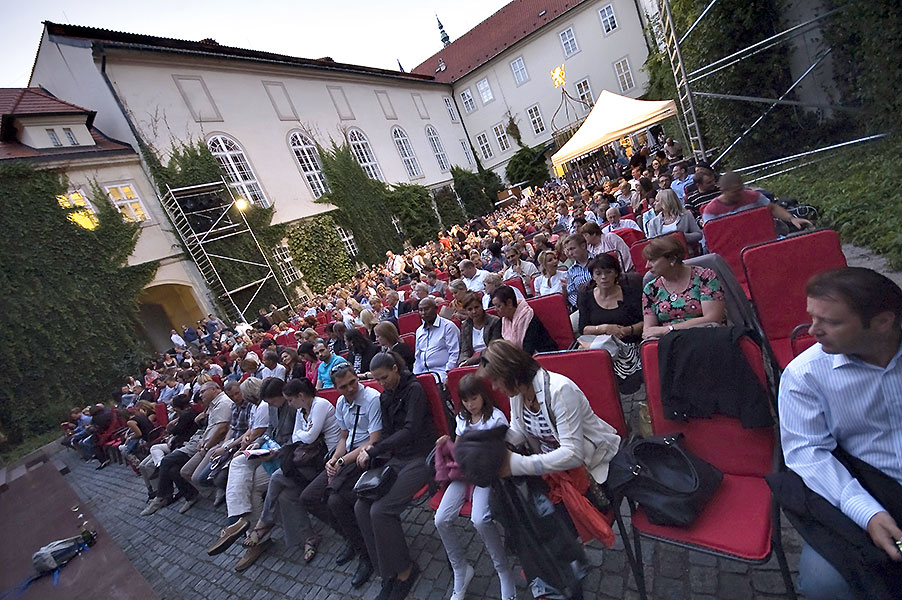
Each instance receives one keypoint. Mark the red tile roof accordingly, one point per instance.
(509, 25)
(102, 146)
(212, 47)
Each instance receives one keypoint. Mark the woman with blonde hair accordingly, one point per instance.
(551, 281)
(672, 216)
(369, 321)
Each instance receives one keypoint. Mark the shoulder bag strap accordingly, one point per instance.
(354, 431)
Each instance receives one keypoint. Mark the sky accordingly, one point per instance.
(375, 33)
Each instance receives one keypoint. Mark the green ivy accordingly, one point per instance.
(413, 205)
(70, 303)
(471, 189)
(448, 207)
(363, 203)
(528, 165)
(318, 252)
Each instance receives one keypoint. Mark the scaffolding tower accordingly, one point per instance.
(202, 215)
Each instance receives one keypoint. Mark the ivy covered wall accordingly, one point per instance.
(318, 253)
(69, 304)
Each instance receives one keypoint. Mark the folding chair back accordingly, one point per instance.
(777, 272)
(161, 412)
(552, 312)
(516, 282)
(409, 322)
(593, 372)
(729, 234)
(322, 317)
(411, 340)
(636, 249)
(629, 236)
(436, 406)
(442, 275)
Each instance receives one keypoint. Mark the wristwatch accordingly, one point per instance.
(341, 461)
(670, 327)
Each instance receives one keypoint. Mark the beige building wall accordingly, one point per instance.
(541, 53)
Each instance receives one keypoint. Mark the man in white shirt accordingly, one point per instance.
(272, 367)
(436, 285)
(525, 271)
(615, 222)
(473, 278)
(177, 340)
(845, 392)
(437, 342)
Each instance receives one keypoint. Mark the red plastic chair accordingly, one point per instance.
(161, 412)
(552, 312)
(320, 330)
(411, 340)
(404, 288)
(801, 340)
(287, 339)
(636, 249)
(323, 317)
(442, 275)
(739, 522)
(777, 272)
(629, 236)
(409, 322)
(728, 235)
(516, 282)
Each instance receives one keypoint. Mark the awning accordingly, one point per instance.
(613, 117)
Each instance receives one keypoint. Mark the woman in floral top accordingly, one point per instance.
(680, 296)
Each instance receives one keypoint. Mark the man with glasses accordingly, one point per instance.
(328, 362)
(437, 342)
(330, 496)
(525, 271)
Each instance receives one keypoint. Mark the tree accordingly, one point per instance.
(470, 188)
(70, 303)
(528, 165)
(413, 205)
(449, 208)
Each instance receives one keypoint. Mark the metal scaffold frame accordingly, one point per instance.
(685, 93)
(201, 216)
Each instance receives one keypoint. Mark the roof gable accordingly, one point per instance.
(34, 101)
(512, 23)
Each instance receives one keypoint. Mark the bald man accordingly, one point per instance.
(615, 222)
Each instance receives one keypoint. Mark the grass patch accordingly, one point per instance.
(11, 455)
(856, 192)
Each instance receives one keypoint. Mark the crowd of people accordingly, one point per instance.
(232, 414)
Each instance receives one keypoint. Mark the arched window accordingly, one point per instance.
(233, 161)
(363, 152)
(402, 142)
(435, 142)
(308, 159)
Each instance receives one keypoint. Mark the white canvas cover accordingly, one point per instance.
(613, 117)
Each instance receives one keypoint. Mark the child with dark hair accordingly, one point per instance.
(477, 411)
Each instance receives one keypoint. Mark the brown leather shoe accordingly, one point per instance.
(251, 555)
(228, 536)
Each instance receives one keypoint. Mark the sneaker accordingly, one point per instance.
(401, 589)
(227, 536)
(189, 502)
(460, 593)
(155, 505)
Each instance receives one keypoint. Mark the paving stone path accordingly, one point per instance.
(169, 549)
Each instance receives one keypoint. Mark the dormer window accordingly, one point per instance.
(54, 139)
(70, 137)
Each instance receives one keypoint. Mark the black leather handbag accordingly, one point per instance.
(375, 482)
(671, 484)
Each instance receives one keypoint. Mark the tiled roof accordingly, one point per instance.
(20, 102)
(102, 145)
(211, 47)
(509, 25)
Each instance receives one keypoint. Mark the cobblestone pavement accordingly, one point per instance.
(169, 549)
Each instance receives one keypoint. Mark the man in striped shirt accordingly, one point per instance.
(846, 392)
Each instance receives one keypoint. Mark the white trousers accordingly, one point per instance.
(247, 484)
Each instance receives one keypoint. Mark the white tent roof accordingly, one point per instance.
(613, 117)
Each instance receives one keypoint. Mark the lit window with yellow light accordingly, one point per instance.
(127, 202)
(83, 215)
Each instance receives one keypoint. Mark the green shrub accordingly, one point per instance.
(471, 189)
(449, 208)
(70, 304)
(318, 253)
(527, 165)
(413, 205)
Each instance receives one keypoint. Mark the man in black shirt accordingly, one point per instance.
(408, 436)
(705, 180)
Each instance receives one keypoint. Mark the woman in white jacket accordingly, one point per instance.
(550, 415)
(673, 217)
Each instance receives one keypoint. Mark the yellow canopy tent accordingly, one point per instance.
(612, 117)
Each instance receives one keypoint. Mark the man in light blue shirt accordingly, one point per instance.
(681, 179)
(846, 392)
(437, 342)
(172, 389)
(328, 361)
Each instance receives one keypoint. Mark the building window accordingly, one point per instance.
(53, 137)
(535, 117)
(584, 92)
(519, 69)
(466, 148)
(485, 91)
(402, 143)
(624, 75)
(482, 140)
(467, 98)
(435, 142)
(70, 137)
(360, 146)
(83, 213)
(235, 164)
(283, 258)
(347, 238)
(504, 142)
(449, 104)
(608, 20)
(128, 203)
(568, 41)
(306, 154)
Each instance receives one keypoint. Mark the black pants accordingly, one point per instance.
(380, 521)
(170, 476)
(333, 504)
